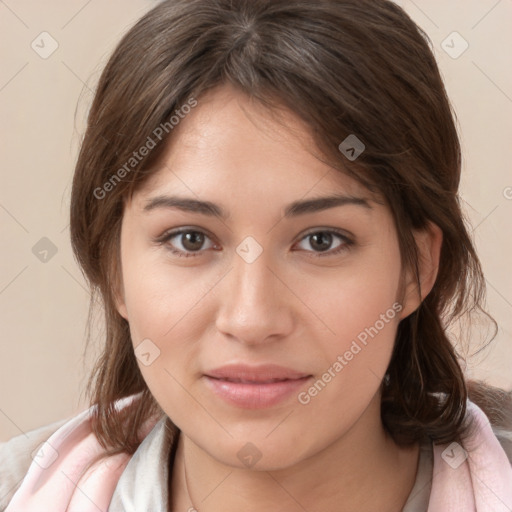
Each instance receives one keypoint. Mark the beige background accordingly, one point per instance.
(43, 305)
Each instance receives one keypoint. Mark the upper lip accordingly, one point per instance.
(260, 373)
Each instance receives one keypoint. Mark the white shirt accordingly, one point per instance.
(143, 485)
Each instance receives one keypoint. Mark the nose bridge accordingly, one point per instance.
(251, 280)
(252, 306)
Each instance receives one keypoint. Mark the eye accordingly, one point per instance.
(321, 242)
(187, 242)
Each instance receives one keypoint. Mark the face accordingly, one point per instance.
(259, 314)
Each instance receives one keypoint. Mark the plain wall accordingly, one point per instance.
(43, 298)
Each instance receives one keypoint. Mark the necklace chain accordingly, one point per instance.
(186, 485)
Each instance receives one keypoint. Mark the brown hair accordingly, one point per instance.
(345, 67)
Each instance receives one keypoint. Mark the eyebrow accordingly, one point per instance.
(292, 210)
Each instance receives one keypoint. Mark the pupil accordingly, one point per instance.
(193, 240)
(326, 241)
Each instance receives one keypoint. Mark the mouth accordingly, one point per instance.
(258, 374)
(254, 381)
(255, 387)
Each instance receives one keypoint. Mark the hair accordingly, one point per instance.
(359, 67)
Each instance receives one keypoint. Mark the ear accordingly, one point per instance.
(118, 293)
(120, 303)
(428, 242)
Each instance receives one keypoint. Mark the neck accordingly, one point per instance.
(363, 470)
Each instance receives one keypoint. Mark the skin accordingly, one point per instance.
(290, 307)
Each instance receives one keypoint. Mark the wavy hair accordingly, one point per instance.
(344, 67)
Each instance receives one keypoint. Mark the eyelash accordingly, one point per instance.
(346, 245)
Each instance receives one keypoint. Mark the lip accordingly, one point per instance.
(254, 387)
(255, 374)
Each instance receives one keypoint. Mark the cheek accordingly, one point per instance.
(360, 298)
(360, 309)
(167, 319)
(159, 296)
(354, 366)
(168, 311)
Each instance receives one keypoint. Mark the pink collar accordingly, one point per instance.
(475, 478)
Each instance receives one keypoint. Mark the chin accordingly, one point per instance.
(260, 454)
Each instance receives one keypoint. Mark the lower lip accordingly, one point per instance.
(255, 396)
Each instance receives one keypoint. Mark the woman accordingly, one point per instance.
(266, 201)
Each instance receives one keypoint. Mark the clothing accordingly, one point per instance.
(420, 492)
(481, 483)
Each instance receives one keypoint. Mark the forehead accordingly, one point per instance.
(231, 144)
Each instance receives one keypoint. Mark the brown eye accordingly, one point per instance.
(192, 240)
(322, 242)
(186, 242)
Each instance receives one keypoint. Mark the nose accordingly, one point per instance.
(255, 306)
